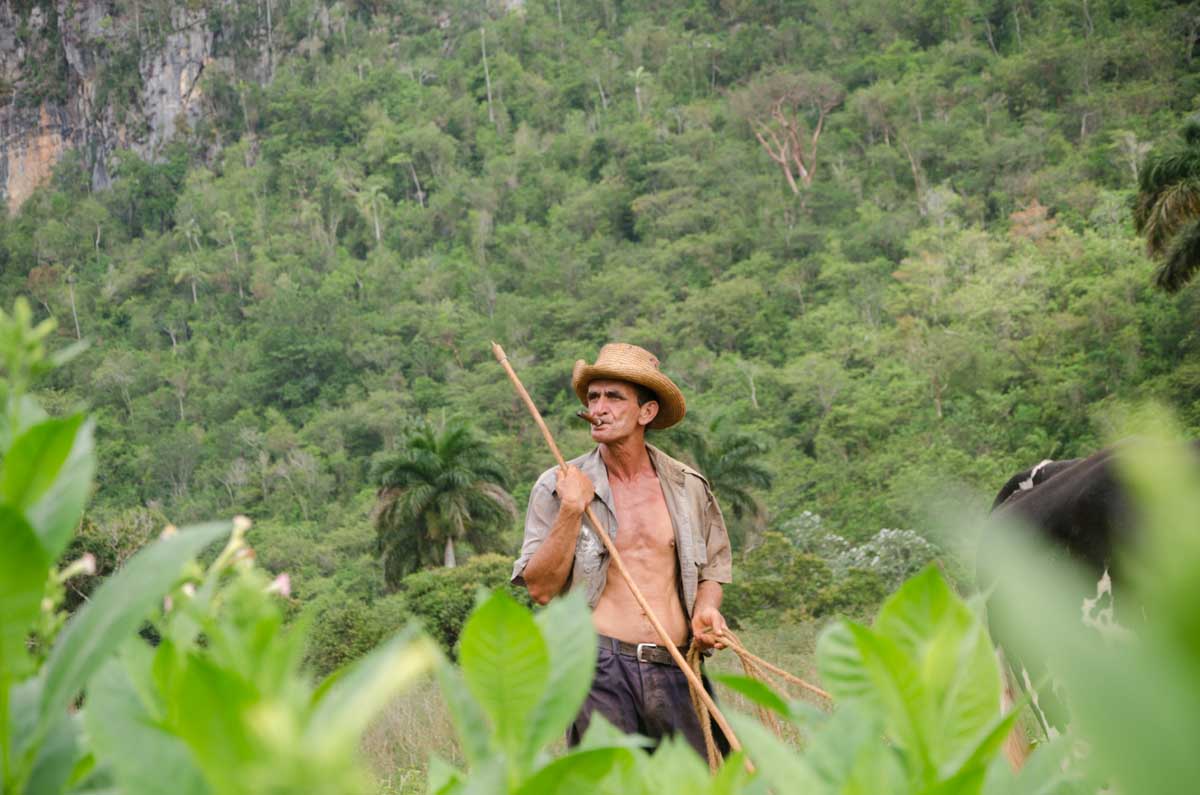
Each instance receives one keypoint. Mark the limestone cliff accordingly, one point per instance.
(76, 75)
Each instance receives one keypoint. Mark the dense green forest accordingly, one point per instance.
(891, 245)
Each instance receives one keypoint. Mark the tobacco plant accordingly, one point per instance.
(918, 697)
(172, 678)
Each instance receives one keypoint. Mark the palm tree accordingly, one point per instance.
(1167, 208)
(732, 462)
(638, 75)
(190, 268)
(443, 486)
(369, 198)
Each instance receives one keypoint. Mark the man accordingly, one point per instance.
(668, 529)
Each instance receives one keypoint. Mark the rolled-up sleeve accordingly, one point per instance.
(719, 567)
(539, 516)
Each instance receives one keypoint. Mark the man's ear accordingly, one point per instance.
(647, 412)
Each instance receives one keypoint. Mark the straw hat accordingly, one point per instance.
(620, 361)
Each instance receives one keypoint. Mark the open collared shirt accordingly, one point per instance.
(701, 540)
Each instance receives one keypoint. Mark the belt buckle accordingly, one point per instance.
(641, 646)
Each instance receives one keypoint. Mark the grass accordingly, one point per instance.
(400, 741)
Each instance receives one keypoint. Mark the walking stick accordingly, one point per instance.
(616, 559)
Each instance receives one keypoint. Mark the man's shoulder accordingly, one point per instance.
(549, 478)
(676, 467)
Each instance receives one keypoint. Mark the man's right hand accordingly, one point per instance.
(575, 489)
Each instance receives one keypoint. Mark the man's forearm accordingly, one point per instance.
(547, 570)
(708, 594)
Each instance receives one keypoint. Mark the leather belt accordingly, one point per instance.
(642, 652)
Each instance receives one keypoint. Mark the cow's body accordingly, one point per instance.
(1078, 506)
(1081, 509)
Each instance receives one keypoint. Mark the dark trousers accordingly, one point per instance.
(647, 698)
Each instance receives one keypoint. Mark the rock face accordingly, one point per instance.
(68, 82)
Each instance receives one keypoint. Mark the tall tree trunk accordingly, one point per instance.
(270, 43)
(450, 562)
(753, 391)
(74, 314)
(417, 182)
(487, 75)
(561, 42)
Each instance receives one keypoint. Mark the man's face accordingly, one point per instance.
(615, 405)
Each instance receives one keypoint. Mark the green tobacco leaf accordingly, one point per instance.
(23, 569)
(1047, 771)
(442, 778)
(56, 758)
(23, 700)
(841, 664)
(116, 610)
(34, 461)
(341, 716)
(677, 762)
(756, 691)
(208, 707)
(601, 733)
(43, 761)
(734, 779)
(974, 758)
(487, 778)
(506, 666)
(959, 675)
(118, 723)
(566, 627)
(849, 755)
(906, 710)
(778, 763)
(604, 771)
(21, 414)
(47, 475)
(465, 714)
(911, 614)
(1136, 702)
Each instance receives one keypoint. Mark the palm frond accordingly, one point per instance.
(739, 502)
(1182, 261)
(1191, 129)
(442, 485)
(1166, 212)
(1176, 164)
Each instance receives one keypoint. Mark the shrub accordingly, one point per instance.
(855, 594)
(895, 555)
(341, 631)
(443, 598)
(775, 577)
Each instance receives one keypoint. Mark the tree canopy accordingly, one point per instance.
(956, 293)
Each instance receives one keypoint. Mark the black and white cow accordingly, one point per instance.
(1081, 508)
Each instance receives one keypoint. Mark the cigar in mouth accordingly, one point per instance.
(586, 416)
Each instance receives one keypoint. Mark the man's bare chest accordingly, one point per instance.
(643, 520)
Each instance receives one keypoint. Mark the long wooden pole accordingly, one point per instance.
(616, 560)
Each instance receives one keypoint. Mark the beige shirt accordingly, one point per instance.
(701, 540)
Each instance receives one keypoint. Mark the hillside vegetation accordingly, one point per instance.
(942, 287)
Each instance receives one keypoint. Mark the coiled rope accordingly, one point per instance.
(756, 668)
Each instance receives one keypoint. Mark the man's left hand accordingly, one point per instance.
(707, 626)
